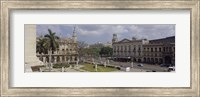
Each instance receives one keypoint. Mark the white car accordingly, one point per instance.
(127, 69)
(140, 65)
(170, 69)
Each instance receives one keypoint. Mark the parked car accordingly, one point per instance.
(125, 68)
(170, 69)
(140, 65)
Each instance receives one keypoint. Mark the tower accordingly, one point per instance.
(74, 36)
(114, 38)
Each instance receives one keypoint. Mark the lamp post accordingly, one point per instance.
(95, 66)
(50, 60)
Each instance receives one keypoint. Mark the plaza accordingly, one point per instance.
(58, 54)
(103, 65)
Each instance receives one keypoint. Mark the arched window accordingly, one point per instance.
(151, 49)
(159, 49)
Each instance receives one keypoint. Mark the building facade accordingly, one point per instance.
(156, 51)
(126, 50)
(66, 52)
(160, 51)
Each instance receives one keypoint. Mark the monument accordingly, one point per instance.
(104, 64)
(95, 67)
(131, 64)
(93, 61)
(63, 69)
(108, 62)
(77, 63)
(30, 47)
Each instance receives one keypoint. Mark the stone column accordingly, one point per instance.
(49, 58)
(61, 59)
(65, 59)
(55, 59)
(44, 59)
(30, 47)
(73, 58)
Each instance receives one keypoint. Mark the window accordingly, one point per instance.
(125, 48)
(170, 49)
(151, 49)
(166, 49)
(134, 48)
(159, 49)
(155, 49)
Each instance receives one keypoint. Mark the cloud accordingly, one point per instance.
(60, 30)
(93, 33)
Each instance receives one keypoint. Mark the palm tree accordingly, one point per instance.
(52, 43)
(42, 45)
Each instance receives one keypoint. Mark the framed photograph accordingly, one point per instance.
(100, 48)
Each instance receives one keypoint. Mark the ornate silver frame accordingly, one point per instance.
(8, 5)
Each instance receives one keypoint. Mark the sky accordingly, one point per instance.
(94, 33)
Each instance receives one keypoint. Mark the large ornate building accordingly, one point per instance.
(156, 51)
(126, 50)
(66, 52)
(160, 51)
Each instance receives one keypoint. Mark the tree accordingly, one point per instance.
(42, 46)
(82, 44)
(94, 52)
(81, 48)
(106, 51)
(97, 45)
(52, 43)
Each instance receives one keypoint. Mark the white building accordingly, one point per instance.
(126, 50)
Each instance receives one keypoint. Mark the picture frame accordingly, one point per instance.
(8, 6)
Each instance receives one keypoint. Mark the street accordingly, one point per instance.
(146, 67)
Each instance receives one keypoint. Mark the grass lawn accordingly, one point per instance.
(91, 68)
(60, 65)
